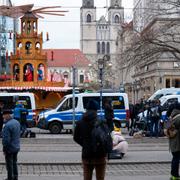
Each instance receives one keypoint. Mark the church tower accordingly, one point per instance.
(88, 27)
(116, 19)
(98, 37)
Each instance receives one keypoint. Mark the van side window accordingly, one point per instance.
(68, 104)
(26, 101)
(8, 102)
(118, 102)
(87, 99)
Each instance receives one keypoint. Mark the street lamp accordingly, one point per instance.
(101, 65)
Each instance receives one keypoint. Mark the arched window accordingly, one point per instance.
(108, 48)
(88, 18)
(103, 47)
(16, 72)
(40, 72)
(98, 47)
(28, 71)
(28, 47)
(38, 46)
(116, 19)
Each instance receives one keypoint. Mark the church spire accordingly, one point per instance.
(88, 4)
(115, 3)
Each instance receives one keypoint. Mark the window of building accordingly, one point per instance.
(28, 47)
(98, 47)
(108, 48)
(116, 19)
(88, 18)
(81, 78)
(167, 83)
(103, 47)
(176, 83)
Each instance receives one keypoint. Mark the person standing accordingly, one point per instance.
(1, 117)
(82, 136)
(20, 114)
(11, 144)
(174, 144)
(109, 113)
(155, 114)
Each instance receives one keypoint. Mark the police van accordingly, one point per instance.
(62, 117)
(164, 92)
(27, 99)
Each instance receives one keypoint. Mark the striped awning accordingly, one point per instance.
(57, 89)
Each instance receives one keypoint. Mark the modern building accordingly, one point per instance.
(8, 26)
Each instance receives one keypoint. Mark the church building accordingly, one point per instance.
(99, 36)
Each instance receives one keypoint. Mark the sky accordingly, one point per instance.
(64, 31)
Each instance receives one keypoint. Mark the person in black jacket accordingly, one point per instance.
(109, 113)
(82, 135)
(1, 117)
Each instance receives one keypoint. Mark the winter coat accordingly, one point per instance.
(174, 143)
(82, 135)
(119, 142)
(109, 115)
(1, 120)
(11, 136)
(18, 110)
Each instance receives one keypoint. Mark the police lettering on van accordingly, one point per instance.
(62, 116)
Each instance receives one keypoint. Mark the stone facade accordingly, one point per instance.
(99, 37)
(150, 50)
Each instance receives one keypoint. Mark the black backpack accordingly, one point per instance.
(101, 138)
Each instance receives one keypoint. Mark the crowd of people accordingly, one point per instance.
(146, 117)
(14, 126)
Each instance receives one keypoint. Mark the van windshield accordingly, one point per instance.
(61, 100)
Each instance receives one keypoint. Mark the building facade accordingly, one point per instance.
(61, 63)
(98, 37)
(151, 60)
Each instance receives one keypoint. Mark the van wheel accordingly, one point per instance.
(55, 128)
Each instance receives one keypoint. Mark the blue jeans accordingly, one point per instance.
(154, 129)
(175, 164)
(11, 166)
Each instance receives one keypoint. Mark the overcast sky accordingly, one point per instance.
(64, 31)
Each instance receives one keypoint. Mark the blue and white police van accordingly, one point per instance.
(61, 117)
(27, 99)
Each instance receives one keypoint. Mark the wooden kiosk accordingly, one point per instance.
(28, 66)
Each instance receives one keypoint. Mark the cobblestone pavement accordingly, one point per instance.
(52, 157)
(135, 169)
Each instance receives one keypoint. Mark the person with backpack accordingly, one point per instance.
(83, 136)
(154, 113)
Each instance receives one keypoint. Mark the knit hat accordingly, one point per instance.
(7, 111)
(92, 105)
